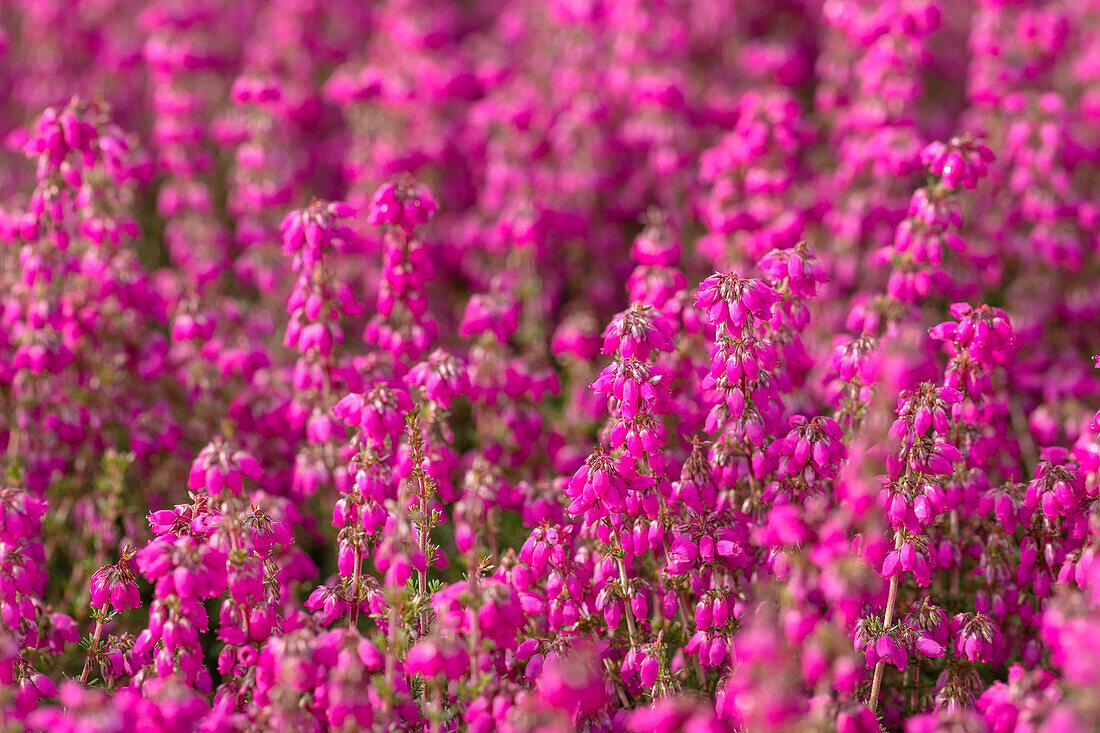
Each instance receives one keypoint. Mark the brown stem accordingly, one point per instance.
(628, 611)
(423, 540)
(914, 675)
(13, 444)
(684, 620)
(888, 618)
(474, 639)
(622, 695)
(353, 617)
(91, 651)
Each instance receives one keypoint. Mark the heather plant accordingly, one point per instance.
(548, 366)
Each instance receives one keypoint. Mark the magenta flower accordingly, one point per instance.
(117, 585)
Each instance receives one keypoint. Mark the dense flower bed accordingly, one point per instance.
(549, 365)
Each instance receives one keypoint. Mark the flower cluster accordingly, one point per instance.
(549, 366)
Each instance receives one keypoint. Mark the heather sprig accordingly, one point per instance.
(548, 366)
